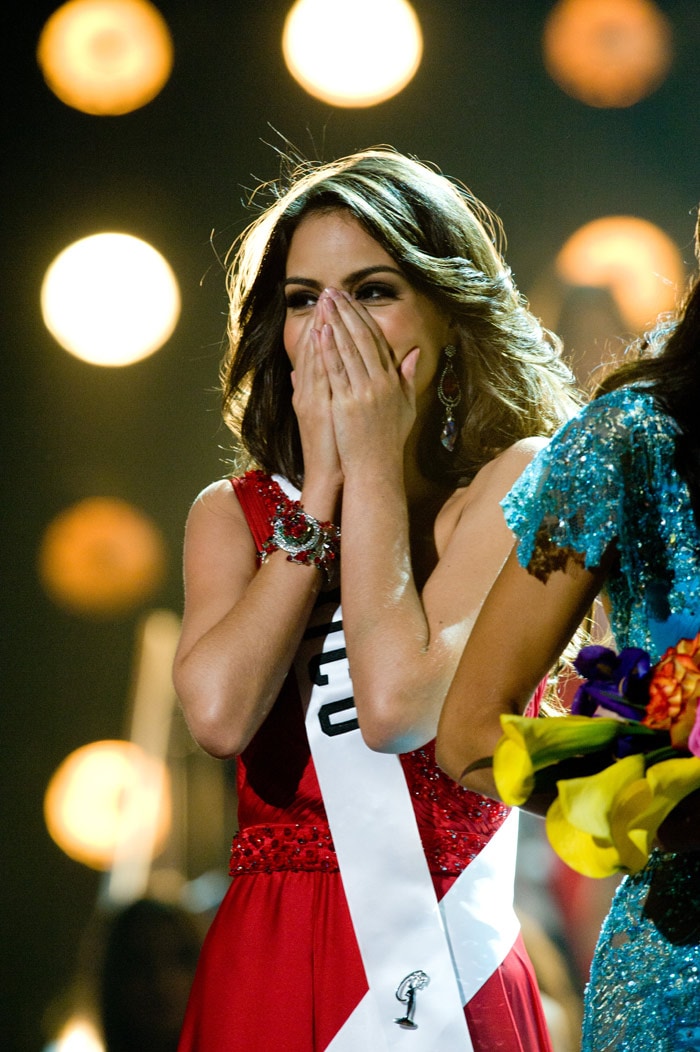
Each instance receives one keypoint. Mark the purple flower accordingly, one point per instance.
(618, 683)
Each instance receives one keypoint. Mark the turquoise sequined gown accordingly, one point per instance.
(609, 476)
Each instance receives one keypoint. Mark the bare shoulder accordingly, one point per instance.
(496, 478)
(218, 498)
(510, 464)
(479, 503)
(219, 560)
(216, 512)
(498, 474)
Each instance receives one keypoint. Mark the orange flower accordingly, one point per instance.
(674, 691)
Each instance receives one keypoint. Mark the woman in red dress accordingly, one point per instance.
(385, 379)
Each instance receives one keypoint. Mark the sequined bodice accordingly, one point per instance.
(609, 477)
(282, 820)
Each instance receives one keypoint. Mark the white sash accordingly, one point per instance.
(400, 927)
(482, 927)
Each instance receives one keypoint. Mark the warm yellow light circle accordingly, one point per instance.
(110, 299)
(105, 57)
(101, 557)
(635, 259)
(104, 795)
(78, 1035)
(607, 53)
(352, 55)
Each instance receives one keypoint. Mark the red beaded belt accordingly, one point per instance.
(302, 848)
(267, 849)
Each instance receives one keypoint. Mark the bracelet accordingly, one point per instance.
(304, 539)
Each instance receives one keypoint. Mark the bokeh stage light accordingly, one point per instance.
(105, 796)
(636, 260)
(607, 53)
(110, 299)
(101, 557)
(352, 56)
(106, 57)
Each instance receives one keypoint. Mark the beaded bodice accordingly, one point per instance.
(608, 477)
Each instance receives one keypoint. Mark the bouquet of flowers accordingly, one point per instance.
(637, 728)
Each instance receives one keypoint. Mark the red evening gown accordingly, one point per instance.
(280, 969)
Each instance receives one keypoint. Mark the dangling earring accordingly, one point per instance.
(450, 394)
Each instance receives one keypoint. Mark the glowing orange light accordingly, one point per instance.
(637, 261)
(101, 556)
(105, 57)
(607, 53)
(104, 796)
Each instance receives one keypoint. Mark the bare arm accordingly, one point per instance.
(403, 640)
(241, 626)
(523, 627)
(404, 645)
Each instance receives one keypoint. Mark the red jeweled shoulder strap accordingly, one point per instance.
(258, 496)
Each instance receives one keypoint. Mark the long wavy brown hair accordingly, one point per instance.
(449, 246)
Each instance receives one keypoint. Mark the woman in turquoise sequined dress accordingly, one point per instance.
(612, 503)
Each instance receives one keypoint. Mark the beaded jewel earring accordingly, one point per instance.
(450, 394)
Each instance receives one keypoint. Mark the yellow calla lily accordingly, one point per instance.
(588, 802)
(530, 743)
(578, 823)
(665, 785)
(590, 856)
(672, 780)
(606, 823)
(632, 841)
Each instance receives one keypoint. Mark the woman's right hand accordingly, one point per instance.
(312, 404)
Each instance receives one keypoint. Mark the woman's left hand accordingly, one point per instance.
(373, 397)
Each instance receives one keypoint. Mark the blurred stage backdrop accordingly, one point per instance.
(133, 135)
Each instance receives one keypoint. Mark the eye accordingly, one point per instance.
(374, 291)
(300, 299)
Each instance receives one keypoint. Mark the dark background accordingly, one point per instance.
(481, 106)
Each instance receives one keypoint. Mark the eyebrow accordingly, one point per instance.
(351, 279)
